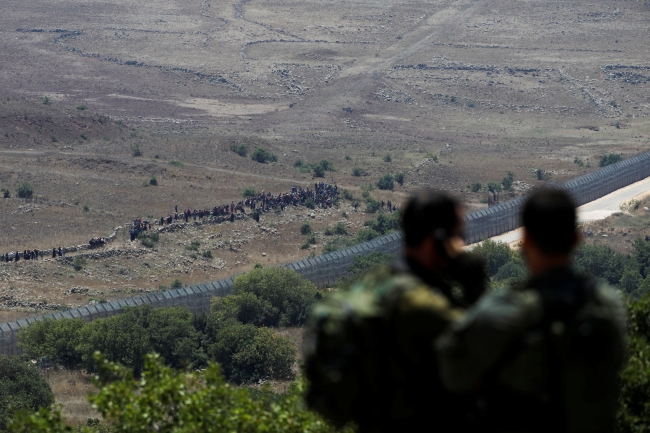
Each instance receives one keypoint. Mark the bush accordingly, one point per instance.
(126, 338)
(25, 190)
(263, 156)
(496, 254)
(46, 101)
(508, 180)
(176, 163)
(361, 264)
(305, 228)
(79, 263)
(310, 204)
(177, 284)
(340, 229)
(372, 205)
(387, 158)
(494, 187)
(21, 387)
(385, 224)
(318, 171)
(357, 172)
(365, 235)
(244, 308)
(386, 182)
(179, 401)
(248, 354)
(6, 193)
(399, 178)
(56, 340)
(298, 163)
(347, 195)
(81, 107)
(326, 165)
(511, 271)
(543, 174)
(135, 150)
(207, 254)
(579, 162)
(476, 187)
(611, 158)
(249, 192)
(287, 291)
(153, 181)
(239, 149)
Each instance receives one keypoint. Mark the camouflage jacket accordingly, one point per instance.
(545, 355)
(389, 320)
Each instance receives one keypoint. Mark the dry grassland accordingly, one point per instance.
(486, 86)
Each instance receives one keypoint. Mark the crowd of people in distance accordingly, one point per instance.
(14, 256)
(323, 195)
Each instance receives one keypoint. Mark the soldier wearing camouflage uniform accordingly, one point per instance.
(370, 354)
(544, 356)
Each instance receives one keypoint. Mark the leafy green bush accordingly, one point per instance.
(508, 180)
(177, 284)
(399, 178)
(263, 156)
(207, 254)
(384, 224)
(239, 149)
(356, 171)
(153, 181)
(56, 340)
(193, 246)
(180, 402)
(372, 205)
(81, 107)
(494, 187)
(326, 165)
(496, 254)
(340, 229)
(78, 263)
(579, 162)
(6, 193)
(318, 171)
(611, 158)
(476, 187)
(386, 182)
(249, 192)
(298, 163)
(248, 354)
(305, 228)
(25, 190)
(365, 235)
(287, 291)
(347, 195)
(245, 308)
(127, 337)
(387, 158)
(177, 163)
(21, 387)
(543, 174)
(310, 204)
(135, 150)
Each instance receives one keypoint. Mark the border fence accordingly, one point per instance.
(328, 268)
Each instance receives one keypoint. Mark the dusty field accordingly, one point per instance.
(485, 86)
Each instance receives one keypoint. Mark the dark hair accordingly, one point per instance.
(429, 213)
(549, 217)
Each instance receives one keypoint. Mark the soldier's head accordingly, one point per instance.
(432, 223)
(550, 229)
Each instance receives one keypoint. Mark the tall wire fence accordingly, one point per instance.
(326, 269)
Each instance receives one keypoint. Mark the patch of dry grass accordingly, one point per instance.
(71, 388)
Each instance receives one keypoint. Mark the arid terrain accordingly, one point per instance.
(455, 92)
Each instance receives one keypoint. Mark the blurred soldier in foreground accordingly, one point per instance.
(369, 351)
(544, 356)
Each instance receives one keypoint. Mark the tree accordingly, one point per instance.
(494, 187)
(263, 156)
(21, 387)
(386, 182)
(56, 340)
(305, 228)
(642, 254)
(25, 190)
(239, 149)
(608, 159)
(250, 192)
(244, 308)
(286, 290)
(153, 181)
(248, 354)
(318, 170)
(169, 401)
(630, 281)
(476, 187)
(496, 254)
(508, 180)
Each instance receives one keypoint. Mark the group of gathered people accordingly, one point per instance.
(417, 345)
(14, 256)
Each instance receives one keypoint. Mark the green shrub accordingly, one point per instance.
(239, 149)
(372, 205)
(543, 174)
(328, 232)
(326, 165)
(6, 193)
(384, 224)
(176, 163)
(46, 101)
(579, 162)
(177, 284)
(361, 264)
(81, 107)
(298, 163)
(287, 291)
(207, 254)
(496, 254)
(193, 246)
(356, 172)
(56, 340)
(86, 208)
(248, 354)
(250, 192)
(476, 187)
(22, 387)
(305, 228)
(366, 234)
(245, 308)
(340, 229)
(611, 158)
(135, 150)
(78, 263)
(310, 204)
(153, 181)
(311, 239)
(318, 171)
(386, 182)
(399, 178)
(263, 156)
(494, 187)
(387, 158)
(25, 190)
(508, 180)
